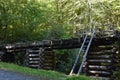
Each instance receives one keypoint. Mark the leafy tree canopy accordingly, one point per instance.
(28, 20)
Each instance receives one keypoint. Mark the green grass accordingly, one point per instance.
(79, 78)
(51, 75)
(44, 74)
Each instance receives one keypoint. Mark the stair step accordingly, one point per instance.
(32, 55)
(100, 64)
(34, 51)
(101, 53)
(99, 67)
(34, 62)
(106, 61)
(100, 73)
(34, 59)
(99, 57)
(102, 47)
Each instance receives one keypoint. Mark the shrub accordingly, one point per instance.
(117, 75)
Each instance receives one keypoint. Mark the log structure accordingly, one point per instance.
(54, 44)
(41, 59)
(99, 60)
(99, 53)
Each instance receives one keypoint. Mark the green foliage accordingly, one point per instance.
(62, 61)
(84, 13)
(20, 58)
(19, 19)
(117, 75)
(30, 20)
(65, 60)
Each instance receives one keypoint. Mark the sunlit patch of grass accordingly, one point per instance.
(48, 75)
(41, 74)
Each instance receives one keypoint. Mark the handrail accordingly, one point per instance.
(84, 57)
(78, 54)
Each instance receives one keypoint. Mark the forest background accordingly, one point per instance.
(36, 20)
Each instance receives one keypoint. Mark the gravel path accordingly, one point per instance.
(8, 75)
